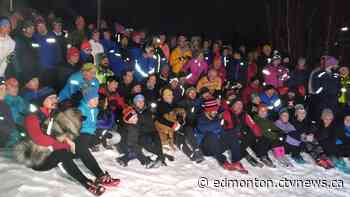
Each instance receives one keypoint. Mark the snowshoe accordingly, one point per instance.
(267, 161)
(95, 189)
(107, 180)
(324, 163)
(340, 164)
(154, 163)
(299, 159)
(252, 161)
(169, 157)
(284, 162)
(237, 166)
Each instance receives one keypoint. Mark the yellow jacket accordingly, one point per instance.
(211, 85)
(176, 61)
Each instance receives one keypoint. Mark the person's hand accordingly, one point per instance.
(176, 126)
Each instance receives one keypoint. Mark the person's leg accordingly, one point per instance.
(82, 144)
(180, 141)
(231, 142)
(66, 158)
(211, 146)
(343, 150)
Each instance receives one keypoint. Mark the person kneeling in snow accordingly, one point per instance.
(214, 141)
(45, 152)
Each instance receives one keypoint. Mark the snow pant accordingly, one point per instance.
(185, 141)
(216, 144)
(293, 150)
(343, 150)
(314, 149)
(260, 146)
(82, 144)
(329, 146)
(66, 158)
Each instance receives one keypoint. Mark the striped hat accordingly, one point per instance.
(210, 105)
(128, 113)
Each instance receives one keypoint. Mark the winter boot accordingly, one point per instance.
(95, 189)
(107, 180)
(252, 161)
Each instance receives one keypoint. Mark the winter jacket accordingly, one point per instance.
(252, 71)
(248, 91)
(195, 69)
(298, 78)
(85, 58)
(89, 125)
(166, 50)
(151, 94)
(7, 46)
(178, 58)
(26, 63)
(327, 133)
(105, 119)
(146, 121)
(274, 103)
(343, 136)
(327, 84)
(97, 48)
(7, 124)
(119, 60)
(206, 126)
(75, 83)
(31, 96)
(102, 74)
(49, 50)
(64, 71)
(241, 123)
(344, 90)
(293, 137)
(269, 129)
(143, 67)
(114, 99)
(275, 75)
(107, 45)
(19, 108)
(214, 85)
(237, 71)
(162, 109)
(77, 37)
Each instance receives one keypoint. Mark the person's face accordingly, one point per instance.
(96, 36)
(2, 91)
(12, 90)
(182, 41)
(206, 44)
(51, 102)
(238, 107)
(162, 39)
(133, 120)
(57, 27)
(105, 62)
(301, 114)
(112, 86)
(29, 31)
(284, 117)
(5, 29)
(168, 97)
(216, 47)
(270, 92)
(267, 51)
(137, 39)
(150, 52)
(192, 94)
(74, 58)
(256, 83)
(200, 57)
(41, 28)
(276, 62)
(174, 84)
(344, 71)
(327, 120)
(286, 60)
(89, 75)
(347, 121)
(137, 89)
(237, 56)
(33, 84)
(128, 77)
(124, 41)
(152, 80)
(212, 75)
(263, 112)
(140, 104)
(242, 49)
(256, 100)
(80, 23)
(212, 114)
(107, 35)
(93, 103)
(165, 71)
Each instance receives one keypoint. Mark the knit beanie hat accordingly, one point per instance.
(71, 52)
(210, 105)
(89, 94)
(4, 22)
(331, 61)
(128, 113)
(138, 98)
(85, 45)
(88, 67)
(188, 90)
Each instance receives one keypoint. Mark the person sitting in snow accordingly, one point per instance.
(63, 150)
(214, 141)
(270, 98)
(343, 137)
(32, 91)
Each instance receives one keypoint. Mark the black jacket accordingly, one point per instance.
(6, 123)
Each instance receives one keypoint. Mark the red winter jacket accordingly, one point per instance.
(113, 97)
(33, 128)
(252, 71)
(248, 91)
(248, 121)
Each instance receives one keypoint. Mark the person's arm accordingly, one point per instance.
(253, 126)
(32, 126)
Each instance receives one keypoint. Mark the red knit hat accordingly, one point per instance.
(85, 45)
(210, 105)
(128, 113)
(72, 51)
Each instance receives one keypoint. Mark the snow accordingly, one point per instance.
(179, 178)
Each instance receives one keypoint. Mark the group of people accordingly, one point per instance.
(65, 94)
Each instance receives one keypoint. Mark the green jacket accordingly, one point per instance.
(270, 131)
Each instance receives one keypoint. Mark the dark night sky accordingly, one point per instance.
(230, 19)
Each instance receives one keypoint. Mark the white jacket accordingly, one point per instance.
(7, 46)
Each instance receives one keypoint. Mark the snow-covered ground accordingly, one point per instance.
(180, 178)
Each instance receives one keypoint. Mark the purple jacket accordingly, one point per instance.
(293, 137)
(195, 69)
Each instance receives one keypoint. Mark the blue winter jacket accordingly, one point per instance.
(143, 67)
(90, 123)
(49, 51)
(75, 83)
(274, 103)
(19, 108)
(33, 96)
(206, 126)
